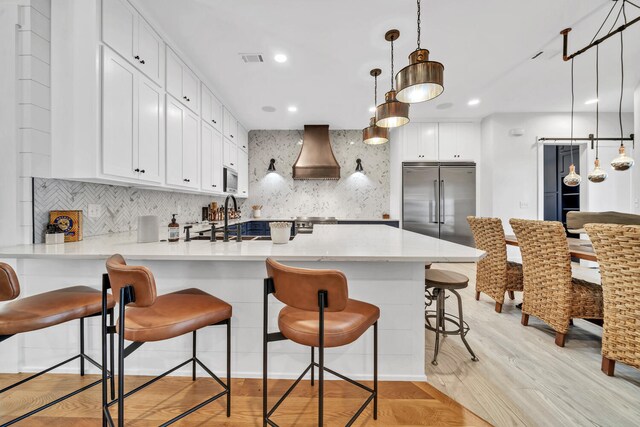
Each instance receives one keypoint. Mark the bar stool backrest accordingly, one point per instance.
(9, 285)
(546, 265)
(298, 287)
(140, 277)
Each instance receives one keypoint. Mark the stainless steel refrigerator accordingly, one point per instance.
(437, 197)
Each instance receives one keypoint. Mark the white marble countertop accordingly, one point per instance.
(327, 243)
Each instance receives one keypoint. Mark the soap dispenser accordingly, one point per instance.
(174, 229)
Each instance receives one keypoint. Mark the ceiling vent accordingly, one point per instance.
(252, 57)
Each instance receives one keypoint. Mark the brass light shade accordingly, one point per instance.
(392, 113)
(375, 135)
(421, 80)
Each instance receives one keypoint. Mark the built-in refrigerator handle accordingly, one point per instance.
(442, 201)
(435, 201)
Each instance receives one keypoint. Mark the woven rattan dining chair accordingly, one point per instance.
(550, 293)
(618, 250)
(495, 276)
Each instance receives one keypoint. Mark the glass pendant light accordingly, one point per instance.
(623, 161)
(375, 135)
(421, 80)
(597, 174)
(572, 179)
(392, 113)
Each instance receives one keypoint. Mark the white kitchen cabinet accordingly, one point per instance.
(126, 32)
(243, 173)
(211, 110)
(243, 139)
(230, 156)
(419, 142)
(230, 126)
(212, 151)
(459, 141)
(182, 83)
(132, 122)
(182, 145)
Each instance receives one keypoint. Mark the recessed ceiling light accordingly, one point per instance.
(292, 109)
(280, 58)
(372, 109)
(591, 101)
(473, 102)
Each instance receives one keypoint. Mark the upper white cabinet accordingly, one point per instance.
(419, 142)
(459, 141)
(126, 32)
(243, 139)
(212, 152)
(230, 155)
(211, 110)
(183, 152)
(230, 126)
(243, 173)
(132, 122)
(181, 82)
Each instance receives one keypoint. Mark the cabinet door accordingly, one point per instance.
(243, 174)
(448, 141)
(206, 157)
(118, 27)
(230, 154)
(216, 114)
(206, 100)
(410, 147)
(118, 116)
(149, 147)
(230, 126)
(149, 51)
(428, 141)
(174, 142)
(174, 74)
(190, 150)
(469, 136)
(243, 139)
(190, 89)
(216, 171)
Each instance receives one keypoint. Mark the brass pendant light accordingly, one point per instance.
(572, 179)
(597, 174)
(421, 80)
(375, 135)
(623, 161)
(392, 113)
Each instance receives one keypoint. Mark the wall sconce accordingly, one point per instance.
(359, 167)
(272, 165)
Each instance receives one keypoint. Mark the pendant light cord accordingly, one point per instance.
(572, 105)
(391, 63)
(375, 90)
(597, 99)
(418, 25)
(621, 77)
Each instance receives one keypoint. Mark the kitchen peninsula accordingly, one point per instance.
(384, 266)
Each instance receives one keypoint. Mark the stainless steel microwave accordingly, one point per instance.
(230, 181)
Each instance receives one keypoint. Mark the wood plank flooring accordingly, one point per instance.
(522, 377)
(400, 403)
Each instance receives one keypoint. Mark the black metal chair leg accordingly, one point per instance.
(265, 324)
(121, 359)
(82, 346)
(375, 371)
(228, 368)
(104, 355)
(112, 361)
(313, 355)
(193, 364)
(321, 297)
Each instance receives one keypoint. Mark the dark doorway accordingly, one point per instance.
(558, 198)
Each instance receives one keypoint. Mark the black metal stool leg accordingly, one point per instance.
(121, 361)
(112, 362)
(313, 355)
(193, 364)
(462, 333)
(438, 325)
(228, 368)
(82, 346)
(375, 371)
(321, 297)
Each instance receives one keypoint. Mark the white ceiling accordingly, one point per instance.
(485, 47)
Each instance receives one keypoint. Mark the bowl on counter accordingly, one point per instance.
(280, 232)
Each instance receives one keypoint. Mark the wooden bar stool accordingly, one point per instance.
(318, 313)
(157, 318)
(49, 309)
(437, 283)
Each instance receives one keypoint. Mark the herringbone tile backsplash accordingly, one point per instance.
(121, 205)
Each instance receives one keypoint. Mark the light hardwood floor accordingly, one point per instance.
(522, 377)
(400, 404)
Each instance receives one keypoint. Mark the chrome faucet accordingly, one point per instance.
(226, 219)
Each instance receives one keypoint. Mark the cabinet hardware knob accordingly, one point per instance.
(244, 146)
(184, 97)
(141, 170)
(213, 121)
(213, 185)
(137, 57)
(136, 170)
(231, 136)
(142, 61)
(231, 164)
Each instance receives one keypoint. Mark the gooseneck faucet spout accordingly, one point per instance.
(226, 219)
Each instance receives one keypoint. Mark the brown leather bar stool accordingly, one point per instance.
(156, 318)
(437, 282)
(318, 313)
(49, 309)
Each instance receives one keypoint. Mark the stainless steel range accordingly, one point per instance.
(304, 224)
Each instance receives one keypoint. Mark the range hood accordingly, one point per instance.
(316, 159)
